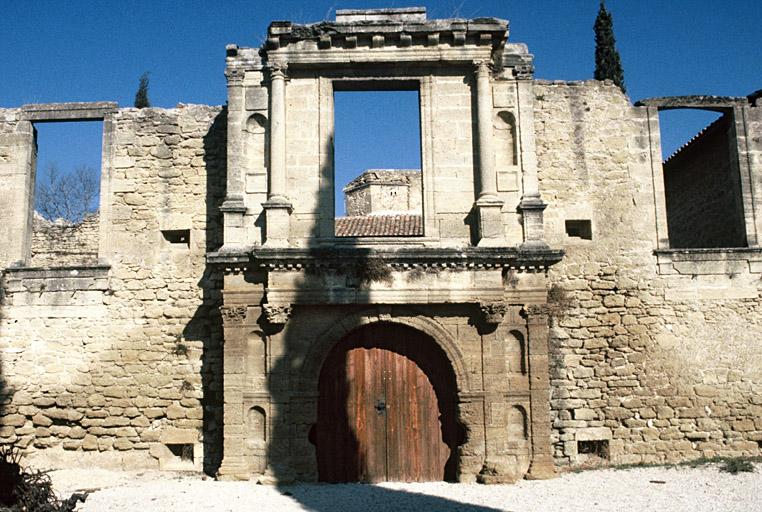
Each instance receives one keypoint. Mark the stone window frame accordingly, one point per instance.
(104, 111)
(722, 261)
(377, 80)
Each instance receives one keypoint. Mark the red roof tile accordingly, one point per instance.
(380, 225)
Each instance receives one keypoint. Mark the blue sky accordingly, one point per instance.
(54, 51)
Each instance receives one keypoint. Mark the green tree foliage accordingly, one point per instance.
(141, 97)
(607, 63)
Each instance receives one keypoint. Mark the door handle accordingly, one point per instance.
(380, 406)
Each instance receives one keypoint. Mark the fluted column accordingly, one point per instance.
(277, 207)
(488, 207)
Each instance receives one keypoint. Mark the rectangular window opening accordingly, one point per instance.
(177, 237)
(579, 229)
(182, 452)
(378, 181)
(702, 182)
(67, 174)
(592, 450)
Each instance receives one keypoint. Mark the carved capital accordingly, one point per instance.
(482, 68)
(494, 312)
(233, 314)
(234, 76)
(277, 314)
(278, 70)
(535, 312)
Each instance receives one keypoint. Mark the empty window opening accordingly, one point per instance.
(702, 183)
(378, 186)
(591, 451)
(66, 193)
(182, 452)
(177, 237)
(579, 229)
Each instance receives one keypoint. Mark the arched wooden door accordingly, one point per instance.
(386, 409)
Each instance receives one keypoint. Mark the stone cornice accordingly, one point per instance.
(454, 31)
(400, 258)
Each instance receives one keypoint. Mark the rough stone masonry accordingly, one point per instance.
(576, 301)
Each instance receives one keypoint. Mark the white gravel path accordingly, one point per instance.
(643, 490)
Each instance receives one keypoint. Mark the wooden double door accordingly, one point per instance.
(386, 409)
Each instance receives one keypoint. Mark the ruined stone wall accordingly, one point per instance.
(17, 160)
(59, 244)
(703, 191)
(655, 365)
(125, 359)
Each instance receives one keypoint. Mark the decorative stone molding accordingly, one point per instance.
(523, 71)
(277, 314)
(494, 312)
(278, 70)
(531, 311)
(292, 258)
(233, 314)
(235, 76)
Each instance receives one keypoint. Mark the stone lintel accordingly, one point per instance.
(80, 111)
(719, 103)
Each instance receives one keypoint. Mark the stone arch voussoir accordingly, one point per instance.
(325, 341)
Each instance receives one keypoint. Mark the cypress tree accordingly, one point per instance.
(141, 97)
(607, 63)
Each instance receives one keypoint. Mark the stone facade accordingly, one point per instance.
(218, 224)
(121, 357)
(648, 352)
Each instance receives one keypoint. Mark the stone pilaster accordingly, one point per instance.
(541, 465)
(16, 194)
(531, 205)
(234, 464)
(278, 207)
(488, 206)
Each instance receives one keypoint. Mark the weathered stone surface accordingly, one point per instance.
(632, 345)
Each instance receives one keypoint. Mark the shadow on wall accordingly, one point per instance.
(206, 325)
(291, 450)
(6, 392)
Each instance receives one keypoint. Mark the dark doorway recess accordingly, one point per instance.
(387, 409)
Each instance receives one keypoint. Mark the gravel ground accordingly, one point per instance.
(644, 489)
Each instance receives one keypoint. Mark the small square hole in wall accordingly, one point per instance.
(179, 237)
(579, 229)
(183, 452)
(593, 450)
